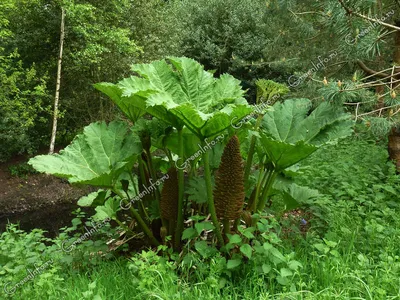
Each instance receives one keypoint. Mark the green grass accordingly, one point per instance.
(351, 250)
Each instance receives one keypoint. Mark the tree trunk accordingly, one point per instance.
(58, 85)
(394, 147)
(396, 56)
(380, 91)
(394, 136)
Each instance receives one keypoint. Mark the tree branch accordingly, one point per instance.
(378, 110)
(370, 71)
(350, 12)
(308, 12)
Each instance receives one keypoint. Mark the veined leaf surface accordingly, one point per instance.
(180, 92)
(115, 94)
(291, 133)
(96, 157)
(284, 155)
(292, 122)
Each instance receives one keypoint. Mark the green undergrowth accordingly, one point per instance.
(358, 221)
(21, 170)
(346, 247)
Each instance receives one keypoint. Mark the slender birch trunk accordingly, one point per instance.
(58, 85)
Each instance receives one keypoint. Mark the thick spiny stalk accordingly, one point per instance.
(267, 188)
(181, 183)
(142, 209)
(260, 184)
(250, 154)
(140, 221)
(153, 174)
(210, 199)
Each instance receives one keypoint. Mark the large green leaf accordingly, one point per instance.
(180, 92)
(280, 123)
(284, 155)
(190, 146)
(292, 122)
(294, 195)
(290, 132)
(96, 157)
(115, 94)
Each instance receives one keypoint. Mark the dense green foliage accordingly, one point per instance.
(241, 155)
(248, 39)
(287, 41)
(28, 58)
(24, 107)
(349, 248)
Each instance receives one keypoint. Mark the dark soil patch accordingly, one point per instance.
(37, 200)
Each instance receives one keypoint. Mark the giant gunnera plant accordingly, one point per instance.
(183, 157)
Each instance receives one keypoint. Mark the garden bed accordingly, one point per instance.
(36, 200)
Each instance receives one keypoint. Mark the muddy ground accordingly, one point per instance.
(37, 200)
